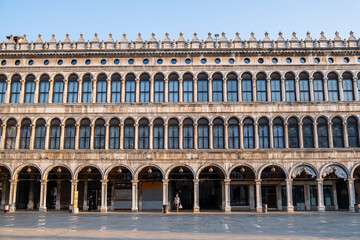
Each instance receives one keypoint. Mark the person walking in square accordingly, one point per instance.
(177, 202)
(90, 202)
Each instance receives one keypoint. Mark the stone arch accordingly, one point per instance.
(111, 167)
(261, 169)
(239, 165)
(81, 167)
(140, 168)
(209, 165)
(309, 166)
(51, 167)
(21, 167)
(353, 168)
(8, 168)
(169, 169)
(343, 173)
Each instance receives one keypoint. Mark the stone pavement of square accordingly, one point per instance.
(93, 226)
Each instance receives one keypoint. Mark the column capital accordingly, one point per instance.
(258, 181)
(320, 180)
(13, 181)
(196, 181)
(134, 181)
(104, 181)
(74, 181)
(351, 180)
(165, 181)
(227, 181)
(43, 181)
(288, 180)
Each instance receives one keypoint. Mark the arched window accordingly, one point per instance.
(322, 131)
(100, 132)
(116, 88)
(348, 86)
(217, 87)
(3, 87)
(353, 132)
(55, 134)
(73, 89)
(338, 135)
(159, 88)
(44, 89)
(114, 140)
(85, 134)
(308, 133)
(293, 133)
(29, 89)
(158, 134)
(246, 84)
(218, 132)
(101, 89)
(129, 134)
(318, 86)
(188, 134)
(333, 87)
(278, 133)
(232, 87)
(86, 88)
(144, 88)
(11, 131)
(40, 134)
(234, 134)
(25, 134)
(249, 141)
(261, 89)
(173, 88)
(203, 88)
(264, 139)
(70, 133)
(143, 134)
(358, 83)
(173, 133)
(188, 88)
(304, 87)
(58, 89)
(203, 133)
(290, 87)
(15, 89)
(130, 88)
(275, 87)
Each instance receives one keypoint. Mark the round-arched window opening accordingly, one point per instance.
(73, 62)
(274, 60)
(3, 62)
(159, 61)
(46, 62)
(288, 60)
(346, 60)
(116, 61)
(203, 61)
(330, 60)
(260, 60)
(31, 62)
(217, 61)
(146, 61)
(173, 61)
(187, 61)
(103, 61)
(60, 62)
(302, 60)
(17, 62)
(317, 60)
(246, 60)
(231, 61)
(131, 61)
(88, 61)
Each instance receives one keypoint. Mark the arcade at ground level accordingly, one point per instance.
(303, 187)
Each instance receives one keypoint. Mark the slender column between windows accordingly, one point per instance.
(47, 136)
(18, 136)
(108, 90)
(152, 89)
(286, 135)
(254, 92)
(211, 134)
(22, 91)
(297, 89)
(301, 135)
(312, 93)
(268, 89)
(320, 193)
(225, 92)
(331, 143)
(239, 90)
(241, 135)
(356, 88)
(166, 136)
(37, 89)
(346, 139)
(341, 89)
(136, 136)
(137, 90)
(181, 137)
(3, 136)
(92, 136)
(77, 137)
(166, 89)
(226, 136)
(62, 136)
(271, 135)
(316, 137)
(107, 136)
(210, 87)
(51, 90)
(151, 136)
(122, 136)
(256, 126)
(8, 91)
(80, 90)
(94, 92)
(196, 141)
(66, 90)
(181, 90)
(123, 91)
(326, 89)
(283, 90)
(195, 90)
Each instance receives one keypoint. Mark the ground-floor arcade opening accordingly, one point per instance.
(89, 184)
(58, 188)
(211, 188)
(119, 194)
(28, 188)
(4, 186)
(356, 178)
(150, 188)
(181, 182)
(242, 189)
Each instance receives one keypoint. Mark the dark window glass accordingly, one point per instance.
(234, 136)
(293, 133)
(322, 130)
(130, 90)
(218, 134)
(3, 87)
(276, 89)
(11, 132)
(353, 132)
(338, 136)
(173, 88)
(87, 89)
(203, 88)
(145, 89)
(173, 136)
(318, 87)
(25, 135)
(44, 91)
(116, 91)
(101, 92)
(217, 85)
(15, 92)
(308, 133)
(188, 135)
(249, 140)
(129, 136)
(333, 88)
(203, 132)
(114, 139)
(40, 133)
(278, 133)
(144, 136)
(348, 88)
(264, 140)
(158, 136)
(100, 132)
(29, 89)
(159, 88)
(73, 91)
(261, 90)
(304, 87)
(85, 135)
(58, 91)
(188, 88)
(55, 133)
(290, 87)
(232, 88)
(246, 88)
(70, 133)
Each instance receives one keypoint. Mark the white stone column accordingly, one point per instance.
(103, 208)
(312, 93)
(22, 91)
(18, 136)
(151, 136)
(195, 90)
(123, 91)
(271, 125)
(346, 138)
(12, 195)
(108, 90)
(77, 136)
(107, 136)
(122, 136)
(165, 192)
(134, 206)
(94, 91)
(166, 136)
(258, 196)
(211, 136)
(341, 89)
(166, 90)
(8, 91)
(225, 89)
(37, 89)
(283, 90)
(239, 89)
(320, 193)
(30, 204)
(92, 136)
(290, 206)
(226, 136)
(62, 136)
(137, 90)
(351, 194)
(227, 195)
(326, 89)
(356, 88)
(254, 83)
(152, 89)
(3, 136)
(136, 145)
(268, 89)
(47, 136)
(43, 194)
(73, 191)
(316, 137)
(32, 136)
(85, 198)
(330, 131)
(58, 195)
(256, 128)
(286, 135)
(297, 89)
(181, 136)
(181, 90)
(241, 136)
(66, 90)
(251, 197)
(196, 196)
(301, 135)
(210, 91)
(80, 90)
(196, 140)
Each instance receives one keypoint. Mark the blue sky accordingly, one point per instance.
(202, 16)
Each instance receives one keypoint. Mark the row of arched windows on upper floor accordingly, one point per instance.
(202, 134)
(258, 88)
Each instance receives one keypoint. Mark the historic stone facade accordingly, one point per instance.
(227, 124)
